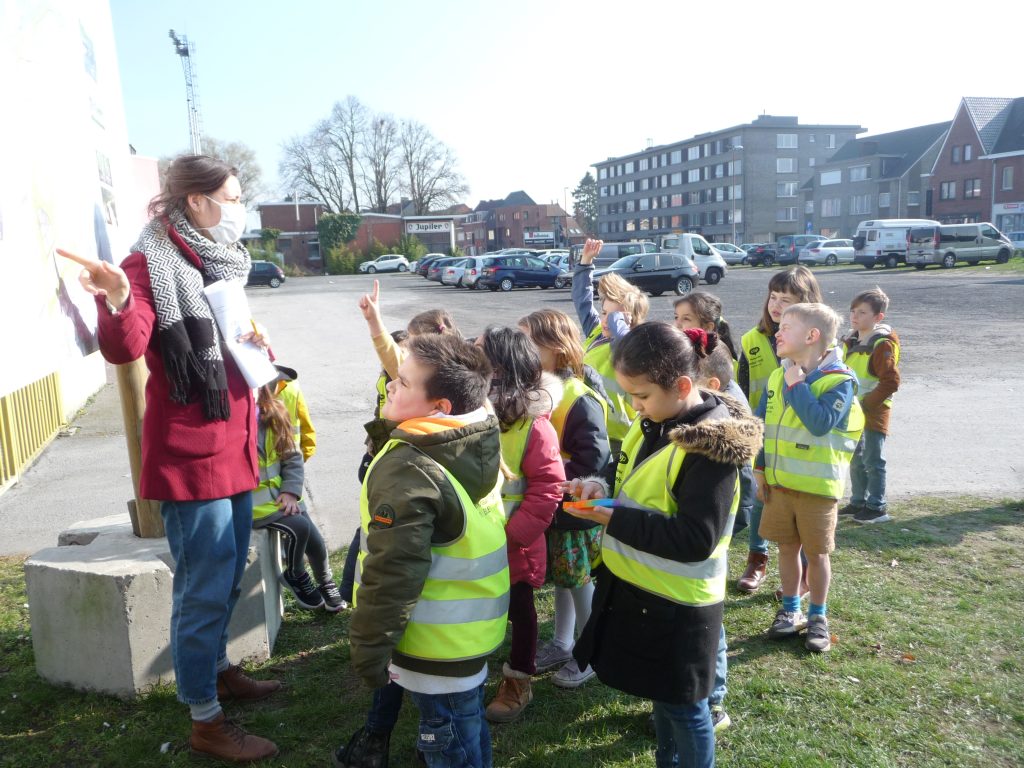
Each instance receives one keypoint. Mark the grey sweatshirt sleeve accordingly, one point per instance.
(583, 298)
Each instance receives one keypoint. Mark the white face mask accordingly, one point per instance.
(231, 224)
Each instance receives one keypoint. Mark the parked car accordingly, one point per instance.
(437, 267)
(552, 255)
(265, 273)
(1017, 238)
(389, 262)
(745, 247)
(884, 241)
(424, 264)
(828, 252)
(612, 252)
(452, 274)
(947, 244)
(787, 247)
(698, 250)
(471, 272)
(731, 254)
(656, 272)
(761, 255)
(508, 272)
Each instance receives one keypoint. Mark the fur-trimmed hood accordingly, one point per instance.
(735, 440)
(544, 399)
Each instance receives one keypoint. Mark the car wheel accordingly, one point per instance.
(371, 270)
(402, 268)
(274, 283)
(712, 276)
(920, 266)
(891, 262)
(768, 261)
(870, 265)
(1003, 257)
(506, 284)
(683, 286)
(459, 284)
(656, 293)
(831, 260)
(949, 261)
(561, 283)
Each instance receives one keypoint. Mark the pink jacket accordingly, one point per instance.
(544, 472)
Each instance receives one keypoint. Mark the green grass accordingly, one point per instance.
(1015, 264)
(927, 670)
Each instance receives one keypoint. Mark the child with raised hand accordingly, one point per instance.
(813, 421)
(873, 353)
(573, 543)
(523, 398)
(699, 309)
(657, 614)
(757, 360)
(620, 306)
(277, 505)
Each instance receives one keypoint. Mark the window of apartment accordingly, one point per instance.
(1008, 177)
(645, 183)
(526, 215)
(516, 215)
(602, 173)
(677, 178)
(501, 217)
(707, 149)
(642, 164)
(719, 170)
(656, 203)
(947, 190)
(859, 173)
(968, 152)
(693, 175)
(830, 206)
(664, 180)
(644, 203)
(830, 141)
(630, 206)
(785, 141)
(654, 161)
(810, 138)
(603, 227)
(719, 194)
(809, 206)
(629, 186)
(677, 156)
(972, 188)
(622, 168)
(785, 165)
(695, 198)
(693, 153)
(736, 216)
(677, 221)
(785, 189)
(737, 191)
(859, 204)
(955, 154)
(883, 199)
(664, 159)
(913, 197)
(677, 200)
(735, 167)
(629, 167)
(827, 178)
(718, 147)
(785, 214)
(719, 217)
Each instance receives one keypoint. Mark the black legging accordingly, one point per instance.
(302, 539)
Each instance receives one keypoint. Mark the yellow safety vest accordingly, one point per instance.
(382, 393)
(648, 485)
(513, 448)
(572, 390)
(858, 359)
(264, 498)
(761, 361)
(620, 413)
(463, 608)
(302, 427)
(798, 460)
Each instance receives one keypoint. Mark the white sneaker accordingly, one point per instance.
(570, 676)
(551, 655)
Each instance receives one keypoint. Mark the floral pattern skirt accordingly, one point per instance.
(571, 555)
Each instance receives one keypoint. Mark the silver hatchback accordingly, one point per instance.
(828, 252)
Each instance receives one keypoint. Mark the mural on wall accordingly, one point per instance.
(65, 159)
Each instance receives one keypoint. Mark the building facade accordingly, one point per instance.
(299, 241)
(737, 184)
(516, 222)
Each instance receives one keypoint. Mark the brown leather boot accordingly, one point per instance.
(753, 576)
(222, 739)
(514, 693)
(234, 685)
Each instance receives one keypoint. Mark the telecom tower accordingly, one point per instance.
(186, 51)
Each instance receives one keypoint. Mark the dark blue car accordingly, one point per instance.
(508, 272)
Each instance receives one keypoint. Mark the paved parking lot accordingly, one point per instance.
(956, 422)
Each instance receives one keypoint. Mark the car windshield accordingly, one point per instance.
(626, 262)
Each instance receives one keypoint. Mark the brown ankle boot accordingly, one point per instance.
(514, 693)
(753, 576)
(234, 685)
(222, 739)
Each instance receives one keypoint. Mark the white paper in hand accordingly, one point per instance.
(231, 309)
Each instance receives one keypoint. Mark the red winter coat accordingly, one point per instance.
(544, 472)
(185, 456)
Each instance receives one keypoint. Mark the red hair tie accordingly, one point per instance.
(698, 336)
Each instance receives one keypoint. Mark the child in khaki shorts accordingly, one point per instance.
(812, 424)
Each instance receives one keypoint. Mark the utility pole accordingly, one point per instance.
(186, 51)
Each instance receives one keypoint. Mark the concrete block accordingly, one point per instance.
(100, 607)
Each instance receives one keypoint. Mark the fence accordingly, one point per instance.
(29, 419)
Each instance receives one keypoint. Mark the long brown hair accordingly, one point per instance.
(189, 175)
(797, 280)
(556, 331)
(275, 417)
(432, 321)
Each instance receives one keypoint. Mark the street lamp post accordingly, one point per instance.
(735, 149)
(565, 210)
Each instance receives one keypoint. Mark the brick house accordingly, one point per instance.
(516, 222)
(299, 240)
(1007, 157)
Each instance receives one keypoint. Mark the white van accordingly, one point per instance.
(884, 241)
(947, 244)
(694, 247)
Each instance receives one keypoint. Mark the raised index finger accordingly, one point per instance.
(376, 291)
(85, 261)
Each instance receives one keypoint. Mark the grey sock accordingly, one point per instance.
(205, 712)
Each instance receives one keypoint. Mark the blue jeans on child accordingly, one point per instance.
(757, 542)
(387, 703)
(685, 735)
(867, 471)
(721, 672)
(453, 731)
(209, 541)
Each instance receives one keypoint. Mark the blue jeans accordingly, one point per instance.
(209, 541)
(387, 703)
(721, 672)
(453, 731)
(867, 471)
(757, 543)
(685, 735)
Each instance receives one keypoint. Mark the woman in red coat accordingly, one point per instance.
(198, 444)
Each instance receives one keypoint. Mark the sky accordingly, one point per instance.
(528, 95)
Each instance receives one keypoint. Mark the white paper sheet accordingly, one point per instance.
(231, 309)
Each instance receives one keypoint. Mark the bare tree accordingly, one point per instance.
(431, 178)
(309, 168)
(380, 162)
(345, 132)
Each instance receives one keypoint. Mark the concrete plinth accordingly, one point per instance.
(100, 606)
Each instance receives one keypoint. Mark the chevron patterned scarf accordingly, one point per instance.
(180, 262)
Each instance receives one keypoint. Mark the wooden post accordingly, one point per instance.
(131, 383)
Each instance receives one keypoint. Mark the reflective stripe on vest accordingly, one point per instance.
(619, 414)
(266, 493)
(289, 395)
(572, 390)
(798, 460)
(858, 358)
(761, 361)
(462, 609)
(648, 486)
(513, 448)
